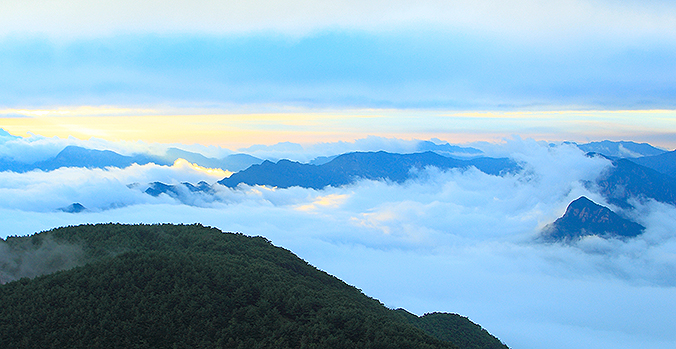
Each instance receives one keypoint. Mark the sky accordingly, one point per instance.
(509, 77)
(266, 71)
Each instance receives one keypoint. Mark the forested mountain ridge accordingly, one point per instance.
(75, 156)
(348, 167)
(189, 286)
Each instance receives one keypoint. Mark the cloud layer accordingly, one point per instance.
(412, 69)
(457, 241)
(402, 54)
(562, 19)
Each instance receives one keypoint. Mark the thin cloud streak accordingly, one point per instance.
(560, 20)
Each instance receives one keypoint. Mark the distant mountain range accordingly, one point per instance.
(620, 149)
(347, 168)
(584, 217)
(627, 180)
(232, 162)
(621, 183)
(448, 149)
(640, 178)
(664, 163)
(74, 156)
(649, 174)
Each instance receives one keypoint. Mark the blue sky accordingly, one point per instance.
(457, 55)
(336, 68)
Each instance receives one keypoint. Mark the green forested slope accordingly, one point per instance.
(167, 286)
(454, 328)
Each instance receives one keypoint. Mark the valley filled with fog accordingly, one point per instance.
(457, 240)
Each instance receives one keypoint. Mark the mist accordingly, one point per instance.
(456, 241)
(35, 257)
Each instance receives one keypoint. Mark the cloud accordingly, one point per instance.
(567, 19)
(308, 152)
(456, 241)
(29, 260)
(31, 149)
(96, 189)
(433, 54)
(35, 148)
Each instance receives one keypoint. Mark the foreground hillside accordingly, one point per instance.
(164, 286)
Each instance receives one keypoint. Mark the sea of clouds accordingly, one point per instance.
(457, 241)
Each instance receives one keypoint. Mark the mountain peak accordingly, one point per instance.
(587, 210)
(75, 207)
(584, 217)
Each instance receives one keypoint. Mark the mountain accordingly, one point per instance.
(238, 162)
(620, 149)
(74, 156)
(75, 207)
(448, 149)
(321, 160)
(347, 168)
(584, 217)
(453, 328)
(625, 180)
(663, 163)
(233, 162)
(190, 286)
(178, 190)
(7, 164)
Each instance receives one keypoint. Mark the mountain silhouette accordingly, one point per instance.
(622, 149)
(584, 217)
(75, 207)
(232, 162)
(664, 163)
(74, 156)
(625, 180)
(349, 167)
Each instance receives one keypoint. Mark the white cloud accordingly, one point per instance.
(35, 148)
(31, 149)
(518, 19)
(96, 189)
(308, 152)
(457, 241)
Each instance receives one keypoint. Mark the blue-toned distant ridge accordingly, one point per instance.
(349, 167)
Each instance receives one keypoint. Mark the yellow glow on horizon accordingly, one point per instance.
(212, 172)
(330, 201)
(235, 131)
